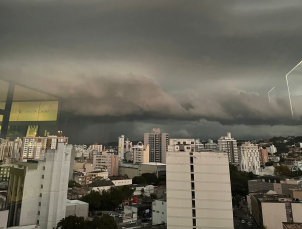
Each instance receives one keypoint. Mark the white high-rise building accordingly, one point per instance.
(211, 145)
(121, 142)
(158, 145)
(249, 158)
(198, 190)
(37, 189)
(229, 145)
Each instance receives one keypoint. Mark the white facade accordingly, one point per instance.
(141, 154)
(211, 145)
(158, 145)
(249, 158)
(121, 142)
(229, 145)
(159, 212)
(271, 149)
(122, 182)
(198, 190)
(199, 145)
(77, 208)
(10, 151)
(45, 185)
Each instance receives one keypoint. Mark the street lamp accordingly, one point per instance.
(290, 101)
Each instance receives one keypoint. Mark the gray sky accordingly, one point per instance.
(193, 68)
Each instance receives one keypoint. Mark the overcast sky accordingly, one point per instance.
(193, 68)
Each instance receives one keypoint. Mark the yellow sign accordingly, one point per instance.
(32, 131)
(34, 111)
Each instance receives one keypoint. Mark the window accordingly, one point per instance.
(193, 213)
(194, 222)
(192, 177)
(38, 212)
(193, 195)
(42, 176)
(40, 194)
(192, 186)
(191, 160)
(43, 167)
(37, 222)
(41, 185)
(192, 168)
(193, 203)
(39, 203)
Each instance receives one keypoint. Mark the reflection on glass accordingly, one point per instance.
(3, 93)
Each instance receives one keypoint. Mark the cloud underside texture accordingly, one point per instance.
(157, 60)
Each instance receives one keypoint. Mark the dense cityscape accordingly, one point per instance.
(174, 114)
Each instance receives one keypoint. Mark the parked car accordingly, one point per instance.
(132, 222)
(120, 215)
(242, 221)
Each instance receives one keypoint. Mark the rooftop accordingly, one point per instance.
(101, 183)
(153, 163)
(74, 202)
(292, 225)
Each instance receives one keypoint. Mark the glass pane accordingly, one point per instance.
(3, 93)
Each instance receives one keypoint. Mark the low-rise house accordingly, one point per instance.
(159, 212)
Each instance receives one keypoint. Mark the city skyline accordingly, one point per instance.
(191, 69)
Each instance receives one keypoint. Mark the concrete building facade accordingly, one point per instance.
(159, 212)
(106, 160)
(263, 155)
(37, 189)
(141, 153)
(158, 145)
(229, 145)
(249, 158)
(198, 190)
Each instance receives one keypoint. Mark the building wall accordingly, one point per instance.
(249, 158)
(297, 212)
(229, 145)
(264, 155)
(77, 208)
(31, 198)
(273, 214)
(114, 165)
(212, 190)
(122, 182)
(3, 219)
(55, 186)
(130, 172)
(159, 212)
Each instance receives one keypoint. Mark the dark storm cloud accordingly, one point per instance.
(156, 60)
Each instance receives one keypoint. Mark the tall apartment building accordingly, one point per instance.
(158, 145)
(229, 145)
(263, 155)
(141, 155)
(37, 189)
(249, 158)
(97, 148)
(10, 151)
(121, 143)
(198, 190)
(182, 145)
(106, 160)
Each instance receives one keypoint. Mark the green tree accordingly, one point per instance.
(282, 171)
(72, 222)
(153, 196)
(104, 222)
(151, 178)
(94, 199)
(73, 183)
(139, 180)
